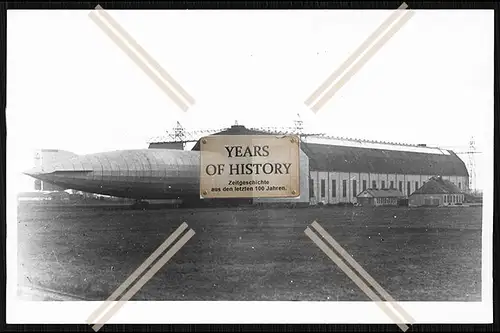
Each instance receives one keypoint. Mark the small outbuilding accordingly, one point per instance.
(436, 192)
(380, 197)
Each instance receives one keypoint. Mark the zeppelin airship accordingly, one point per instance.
(141, 174)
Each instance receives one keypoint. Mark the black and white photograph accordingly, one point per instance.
(281, 166)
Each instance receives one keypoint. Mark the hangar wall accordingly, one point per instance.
(342, 187)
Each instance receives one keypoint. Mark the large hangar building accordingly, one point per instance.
(336, 170)
(339, 169)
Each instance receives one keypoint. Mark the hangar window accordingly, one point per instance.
(416, 186)
(460, 186)
(311, 188)
(344, 188)
(354, 187)
(444, 198)
(322, 188)
(364, 184)
(334, 188)
(408, 188)
(374, 184)
(392, 184)
(401, 186)
(383, 184)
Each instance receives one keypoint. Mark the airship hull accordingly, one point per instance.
(138, 174)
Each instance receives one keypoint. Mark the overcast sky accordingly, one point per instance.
(70, 87)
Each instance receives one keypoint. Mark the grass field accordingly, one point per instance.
(424, 254)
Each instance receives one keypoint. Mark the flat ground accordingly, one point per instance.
(419, 254)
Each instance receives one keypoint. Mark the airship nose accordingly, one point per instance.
(38, 171)
(61, 170)
(33, 172)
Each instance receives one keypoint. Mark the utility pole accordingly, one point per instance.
(472, 164)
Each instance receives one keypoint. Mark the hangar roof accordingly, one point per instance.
(324, 157)
(349, 158)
